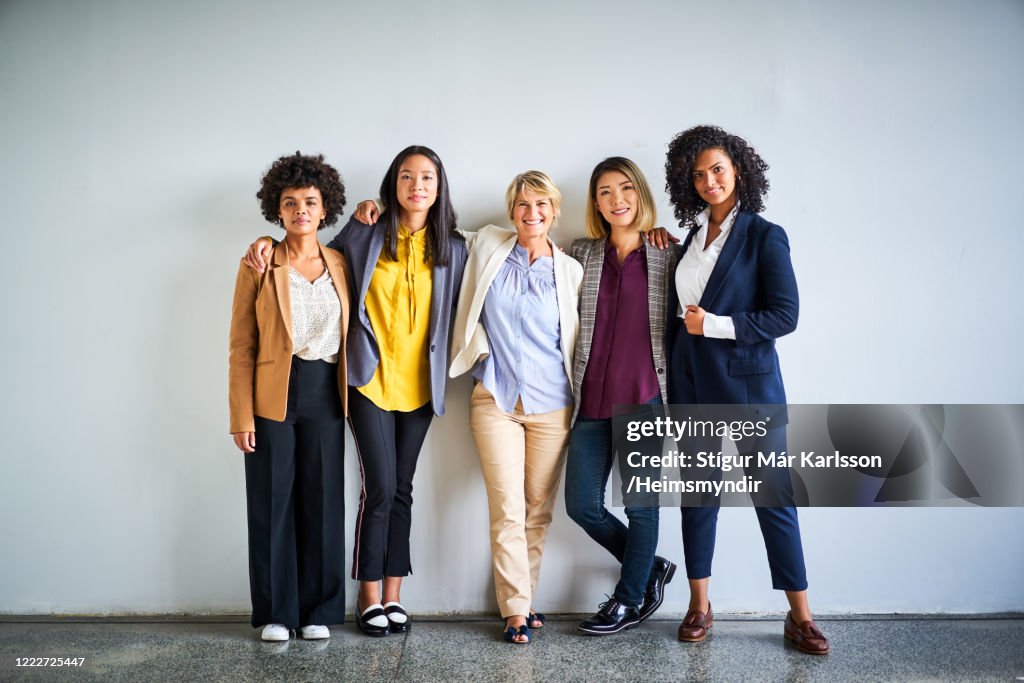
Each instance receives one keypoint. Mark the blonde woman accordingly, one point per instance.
(516, 329)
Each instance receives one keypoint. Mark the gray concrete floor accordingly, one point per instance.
(862, 649)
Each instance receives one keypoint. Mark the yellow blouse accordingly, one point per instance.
(398, 304)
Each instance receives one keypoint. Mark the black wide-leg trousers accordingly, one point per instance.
(294, 491)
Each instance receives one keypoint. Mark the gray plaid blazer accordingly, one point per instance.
(661, 267)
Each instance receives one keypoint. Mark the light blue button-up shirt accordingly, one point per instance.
(520, 317)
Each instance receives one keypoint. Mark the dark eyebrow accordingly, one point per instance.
(717, 163)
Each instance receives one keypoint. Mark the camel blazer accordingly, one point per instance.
(260, 350)
(660, 270)
(490, 247)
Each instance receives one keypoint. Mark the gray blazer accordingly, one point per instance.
(660, 271)
(361, 245)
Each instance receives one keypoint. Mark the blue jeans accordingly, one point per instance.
(588, 465)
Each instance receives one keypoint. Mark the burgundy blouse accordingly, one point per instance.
(621, 364)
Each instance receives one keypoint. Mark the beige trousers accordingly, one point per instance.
(521, 457)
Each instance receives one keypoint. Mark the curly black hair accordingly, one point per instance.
(751, 183)
(298, 171)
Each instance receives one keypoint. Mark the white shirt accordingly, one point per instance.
(316, 317)
(695, 268)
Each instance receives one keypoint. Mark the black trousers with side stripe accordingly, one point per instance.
(294, 491)
(388, 445)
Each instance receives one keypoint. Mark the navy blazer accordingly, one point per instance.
(753, 282)
(361, 245)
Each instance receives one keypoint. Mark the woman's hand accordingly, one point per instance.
(245, 441)
(661, 238)
(256, 257)
(366, 212)
(694, 320)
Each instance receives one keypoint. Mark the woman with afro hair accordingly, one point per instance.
(287, 395)
(735, 293)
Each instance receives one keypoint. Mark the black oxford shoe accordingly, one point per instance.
(611, 617)
(662, 572)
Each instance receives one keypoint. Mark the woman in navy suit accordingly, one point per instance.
(735, 294)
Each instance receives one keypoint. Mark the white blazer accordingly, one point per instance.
(488, 250)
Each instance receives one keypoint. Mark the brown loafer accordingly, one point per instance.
(696, 625)
(807, 637)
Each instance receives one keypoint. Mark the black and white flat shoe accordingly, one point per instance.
(398, 618)
(373, 621)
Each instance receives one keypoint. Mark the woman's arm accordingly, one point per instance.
(777, 284)
(243, 346)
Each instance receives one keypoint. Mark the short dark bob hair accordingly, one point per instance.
(751, 183)
(441, 219)
(299, 171)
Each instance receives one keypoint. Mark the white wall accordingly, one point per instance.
(134, 135)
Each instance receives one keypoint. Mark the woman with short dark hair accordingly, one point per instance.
(287, 389)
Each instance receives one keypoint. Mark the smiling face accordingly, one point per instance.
(532, 215)
(417, 185)
(617, 199)
(301, 210)
(714, 177)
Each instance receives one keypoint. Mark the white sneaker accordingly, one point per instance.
(315, 632)
(276, 632)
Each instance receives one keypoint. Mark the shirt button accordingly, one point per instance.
(432, 347)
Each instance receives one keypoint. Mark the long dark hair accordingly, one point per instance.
(440, 217)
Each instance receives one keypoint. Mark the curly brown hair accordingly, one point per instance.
(297, 171)
(751, 182)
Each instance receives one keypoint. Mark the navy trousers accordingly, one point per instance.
(780, 528)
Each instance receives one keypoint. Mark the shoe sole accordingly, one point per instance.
(275, 639)
(668, 580)
(695, 640)
(608, 633)
(315, 637)
(375, 634)
(707, 630)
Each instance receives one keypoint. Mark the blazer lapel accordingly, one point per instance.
(500, 251)
(373, 250)
(588, 297)
(733, 245)
(279, 265)
(568, 322)
(657, 267)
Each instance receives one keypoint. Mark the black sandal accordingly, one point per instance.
(536, 616)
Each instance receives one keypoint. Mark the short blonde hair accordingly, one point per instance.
(535, 182)
(646, 215)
